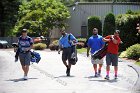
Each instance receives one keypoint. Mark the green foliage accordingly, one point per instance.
(81, 40)
(127, 23)
(8, 16)
(39, 46)
(133, 52)
(82, 50)
(55, 42)
(39, 16)
(54, 45)
(109, 24)
(94, 22)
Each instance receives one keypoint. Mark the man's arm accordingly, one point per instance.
(106, 39)
(59, 47)
(88, 48)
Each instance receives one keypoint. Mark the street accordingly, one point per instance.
(49, 76)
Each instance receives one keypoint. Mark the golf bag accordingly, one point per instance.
(100, 53)
(35, 57)
(74, 57)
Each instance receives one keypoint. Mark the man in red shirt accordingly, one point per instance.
(112, 52)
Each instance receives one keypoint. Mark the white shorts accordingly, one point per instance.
(96, 61)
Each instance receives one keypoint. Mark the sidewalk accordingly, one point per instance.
(49, 76)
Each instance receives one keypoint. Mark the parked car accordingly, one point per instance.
(3, 44)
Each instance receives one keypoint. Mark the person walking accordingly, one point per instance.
(112, 52)
(95, 43)
(65, 43)
(25, 44)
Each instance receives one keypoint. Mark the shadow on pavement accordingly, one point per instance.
(20, 79)
(64, 76)
(90, 77)
(110, 81)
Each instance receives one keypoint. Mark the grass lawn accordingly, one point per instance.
(82, 50)
(138, 63)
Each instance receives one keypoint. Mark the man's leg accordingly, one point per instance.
(108, 63)
(116, 71)
(99, 69)
(68, 69)
(26, 70)
(95, 69)
(107, 72)
(65, 63)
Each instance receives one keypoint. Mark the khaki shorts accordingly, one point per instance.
(96, 61)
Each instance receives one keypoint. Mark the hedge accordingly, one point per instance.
(127, 23)
(94, 22)
(109, 24)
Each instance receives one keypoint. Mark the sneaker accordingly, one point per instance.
(25, 78)
(99, 72)
(96, 75)
(116, 77)
(107, 77)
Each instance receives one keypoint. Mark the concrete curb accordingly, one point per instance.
(137, 84)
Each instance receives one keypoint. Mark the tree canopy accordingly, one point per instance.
(39, 16)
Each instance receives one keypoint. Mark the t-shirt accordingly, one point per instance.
(24, 42)
(95, 42)
(64, 40)
(113, 48)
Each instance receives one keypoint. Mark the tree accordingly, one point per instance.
(8, 15)
(94, 22)
(109, 24)
(41, 16)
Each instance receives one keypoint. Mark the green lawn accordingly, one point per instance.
(138, 63)
(82, 50)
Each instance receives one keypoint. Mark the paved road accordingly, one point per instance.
(49, 76)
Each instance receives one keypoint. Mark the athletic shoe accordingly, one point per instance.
(68, 72)
(99, 72)
(25, 78)
(116, 77)
(96, 75)
(107, 77)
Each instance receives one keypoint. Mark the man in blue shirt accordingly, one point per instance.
(66, 42)
(25, 44)
(95, 43)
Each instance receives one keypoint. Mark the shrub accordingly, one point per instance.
(54, 45)
(127, 23)
(109, 24)
(133, 52)
(94, 22)
(39, 46)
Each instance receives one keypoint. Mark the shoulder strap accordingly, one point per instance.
(69, 38)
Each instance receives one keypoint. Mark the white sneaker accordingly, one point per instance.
(25, 78)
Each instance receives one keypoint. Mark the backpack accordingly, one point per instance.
(35, 57)
(74, 57)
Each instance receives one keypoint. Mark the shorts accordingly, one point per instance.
(96, 61)
(112, 59)
(66, 55)
(25, 58)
